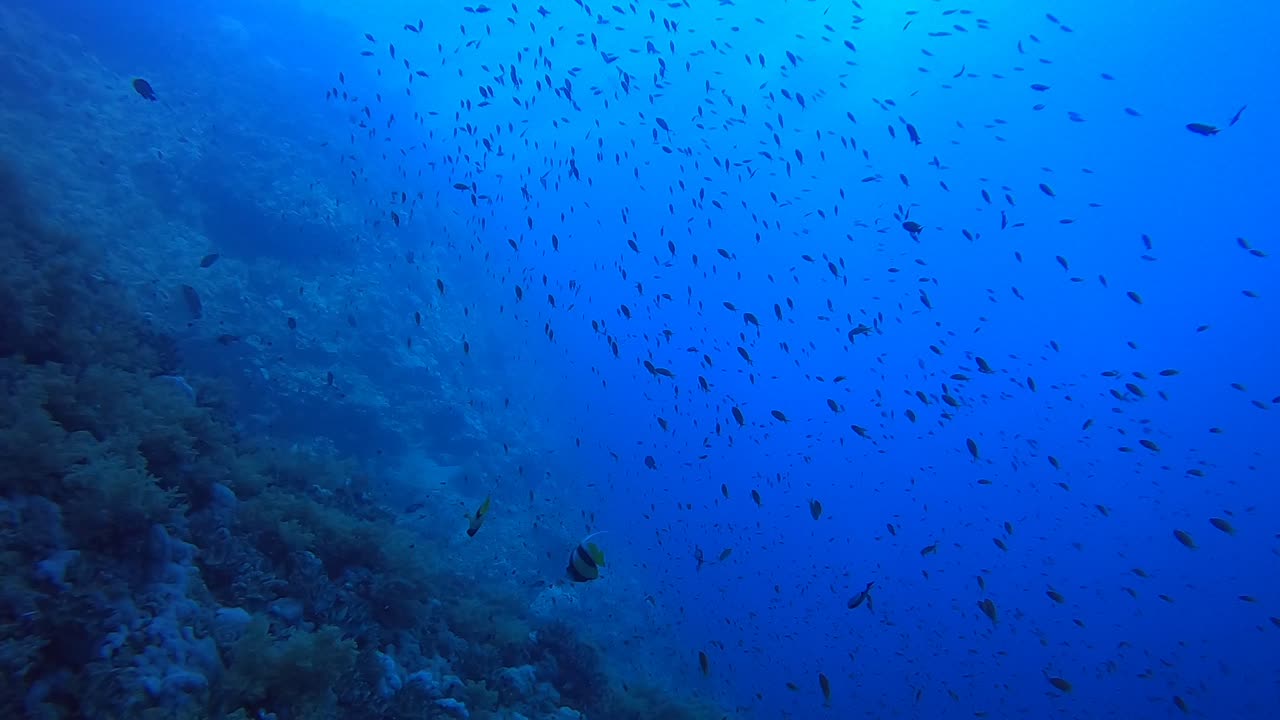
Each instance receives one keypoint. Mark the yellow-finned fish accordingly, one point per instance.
(586, 560)
(478, 519)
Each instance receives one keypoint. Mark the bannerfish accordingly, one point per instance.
(586, 560)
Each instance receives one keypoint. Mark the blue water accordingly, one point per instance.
(583, 205)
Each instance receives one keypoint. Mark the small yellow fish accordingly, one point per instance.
(478, 519)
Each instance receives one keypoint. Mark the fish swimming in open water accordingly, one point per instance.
(144, 89)
(586, 560)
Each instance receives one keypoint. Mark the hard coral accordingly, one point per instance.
(145, 591)
(59, 307)
(645, 702)
(571, 665)
(296, 671)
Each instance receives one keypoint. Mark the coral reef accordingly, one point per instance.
(156, 562)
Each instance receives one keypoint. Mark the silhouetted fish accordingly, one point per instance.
(193, 302)
(144, 89)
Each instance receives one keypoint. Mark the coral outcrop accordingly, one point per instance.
(156, 563)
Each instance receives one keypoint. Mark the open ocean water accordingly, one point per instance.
(675, 360)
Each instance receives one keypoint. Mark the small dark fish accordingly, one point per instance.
(209, 259)
(227, 339)
(863, 596)
(1236, 118)
(988, 608)
(293, 324)
(1223, 525)
(1202, 129)
(144, 89)
(1059, 683)
(193, 302)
